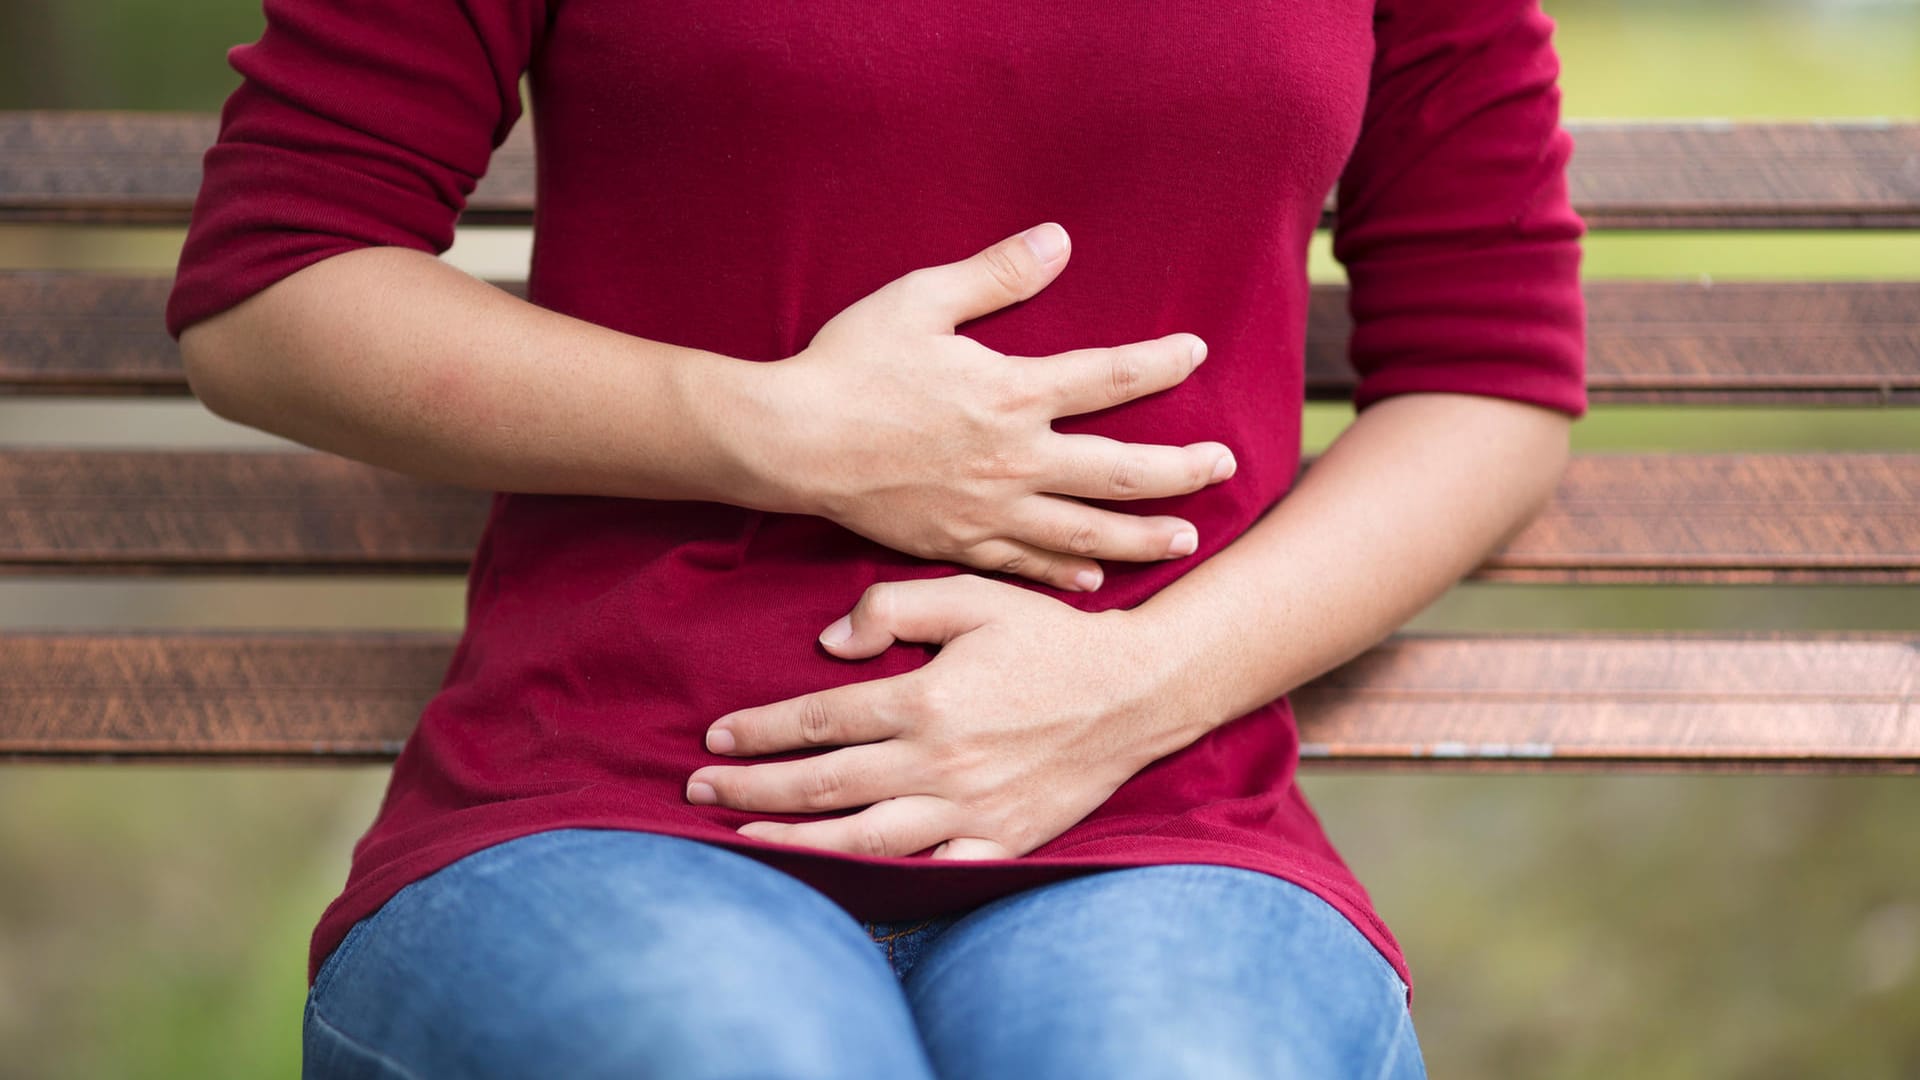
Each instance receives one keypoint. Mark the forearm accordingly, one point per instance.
(1412, 496)
(389, 356)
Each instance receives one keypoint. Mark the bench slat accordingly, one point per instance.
(1720, 174)
(1670, 342)
(1616, 517)
(224, 510)
(139, 167)
(1827, 343)
(1620, 699)
(1441, 700)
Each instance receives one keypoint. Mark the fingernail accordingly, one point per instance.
(1224, 467)
(1199, 351)
(720, 740)
(839, 632)
(1087, 580)
(1047, 242)
(1185, 542)
(703, 794)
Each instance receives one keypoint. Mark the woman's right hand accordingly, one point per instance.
(931, 443)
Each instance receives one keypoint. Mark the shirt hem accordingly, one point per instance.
(869, 888)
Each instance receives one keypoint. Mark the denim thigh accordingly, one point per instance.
(1176, 970)
(608, 952)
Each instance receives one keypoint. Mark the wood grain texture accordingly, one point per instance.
(1724, 517)
(352, 694)
(1616, 517)
(1825, 343)
(81, 333)
(1662, 342)
(1721, 174)
(67, 332)
(140, 167)
(300, 510)
(1620, 698)
(1692, 701)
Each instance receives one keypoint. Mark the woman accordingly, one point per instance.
(875, 657)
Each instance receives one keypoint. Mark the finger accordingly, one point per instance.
(861, 712)
(942, 297)
(933, 610)
(1097, 467)
(890, 829)
(1051, 521)
(1005, 555)
(1087, 380)
(849, 777)
(972, 849)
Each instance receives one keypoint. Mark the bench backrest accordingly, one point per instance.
(1778, 700)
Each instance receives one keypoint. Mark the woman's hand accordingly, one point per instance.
(933, 444)
(1030, 716)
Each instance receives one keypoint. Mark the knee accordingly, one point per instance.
(598, 1030)
(587, 966)
(619, 1015)
(1160, 971)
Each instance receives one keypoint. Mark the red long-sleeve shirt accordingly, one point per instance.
(730, 176)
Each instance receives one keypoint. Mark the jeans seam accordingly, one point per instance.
(904, 931)
(342, 951)
(321, 1019)
(1393, 1045)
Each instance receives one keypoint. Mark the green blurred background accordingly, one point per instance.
(154, 920)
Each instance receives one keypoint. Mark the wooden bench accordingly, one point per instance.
(1825, 701)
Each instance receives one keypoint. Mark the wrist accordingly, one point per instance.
(739, 407)
(1174, 681)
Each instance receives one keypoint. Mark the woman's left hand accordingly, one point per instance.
(1032, 713)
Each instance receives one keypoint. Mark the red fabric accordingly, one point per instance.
(729, 179)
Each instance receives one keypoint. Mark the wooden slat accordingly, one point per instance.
(1671, 342)
(75, 332)
(1826, 343)
(123, 167)
(1620, 699)
(1824, 700)
(69, 510)
(64, 332)
(1616, 518)
(1855, 174)
(353, 694)
(108, 167)
(1724, 518)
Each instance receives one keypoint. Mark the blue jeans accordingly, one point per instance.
(607, 952)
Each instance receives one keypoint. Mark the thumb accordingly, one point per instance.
(935, 610)
(1006, 273)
